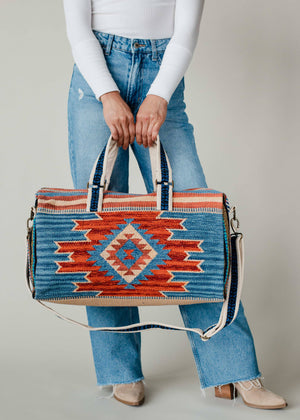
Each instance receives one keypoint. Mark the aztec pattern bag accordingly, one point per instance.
(99, 247)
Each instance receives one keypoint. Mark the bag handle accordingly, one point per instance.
(102, 169)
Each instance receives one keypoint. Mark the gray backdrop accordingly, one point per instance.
(242, 95)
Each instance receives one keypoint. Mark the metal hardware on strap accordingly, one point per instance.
(96, 186)
(234, 219)
(30, 219)
(165, 182)
(29, 250)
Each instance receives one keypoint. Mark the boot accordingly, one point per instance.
(253, 394)
(131, 394)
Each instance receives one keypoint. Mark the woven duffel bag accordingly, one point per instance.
(100, 247)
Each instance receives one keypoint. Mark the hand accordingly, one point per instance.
(150, 117)
(119, 118)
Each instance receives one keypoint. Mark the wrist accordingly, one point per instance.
(109, 95)
(154, 96)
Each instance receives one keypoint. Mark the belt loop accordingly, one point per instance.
(109, 44)
(154, 49)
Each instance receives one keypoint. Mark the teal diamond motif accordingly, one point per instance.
(129, 253)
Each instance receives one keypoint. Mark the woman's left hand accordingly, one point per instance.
(150, 117)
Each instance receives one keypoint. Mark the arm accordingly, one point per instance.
(177, 57)
(180, 49)
(89, 57)
(86, 50)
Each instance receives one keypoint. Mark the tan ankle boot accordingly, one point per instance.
(253, 394)
(131, 394)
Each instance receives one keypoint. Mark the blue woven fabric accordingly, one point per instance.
(205, 279)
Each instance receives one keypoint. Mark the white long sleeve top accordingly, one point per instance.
(143, 19)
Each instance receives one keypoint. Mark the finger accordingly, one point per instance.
(155, 131)
(131, 130)
(125, 127)
(145, 126)
(138, 131)
(114, 133)
(149, 133)
(120, 134)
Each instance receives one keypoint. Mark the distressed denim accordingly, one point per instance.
(230, 355)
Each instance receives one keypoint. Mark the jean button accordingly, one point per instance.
(136, 44)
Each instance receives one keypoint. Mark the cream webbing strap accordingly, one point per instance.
(102, 170)
(229, 308)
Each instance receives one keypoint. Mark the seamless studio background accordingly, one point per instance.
(242, 95)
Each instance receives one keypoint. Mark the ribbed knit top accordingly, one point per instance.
(143, 19)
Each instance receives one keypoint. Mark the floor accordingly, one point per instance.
(42, 391)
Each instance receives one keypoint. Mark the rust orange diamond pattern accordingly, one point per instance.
(110, 253)
(130, 253)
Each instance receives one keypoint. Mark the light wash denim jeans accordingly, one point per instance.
(229, 356)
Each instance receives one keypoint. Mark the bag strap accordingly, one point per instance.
(163, 183)
(103, 166)
(228, 312)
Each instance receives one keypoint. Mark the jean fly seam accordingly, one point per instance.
(129, 79)
(140, 88)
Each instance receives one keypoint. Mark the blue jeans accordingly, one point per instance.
(229, 356)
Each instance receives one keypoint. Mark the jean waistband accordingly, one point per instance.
(146, 45)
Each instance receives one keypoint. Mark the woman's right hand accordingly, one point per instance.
(119, 118)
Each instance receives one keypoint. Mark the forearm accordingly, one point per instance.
(180, 49)
(86, 50)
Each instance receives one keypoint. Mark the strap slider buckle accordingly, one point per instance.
(165, 182)
(95, 185)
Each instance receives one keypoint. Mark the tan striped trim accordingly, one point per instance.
(137, 200)
(130, 302)
(58, 203)
(81, 209)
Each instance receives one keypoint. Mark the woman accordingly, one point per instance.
(128, 80)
